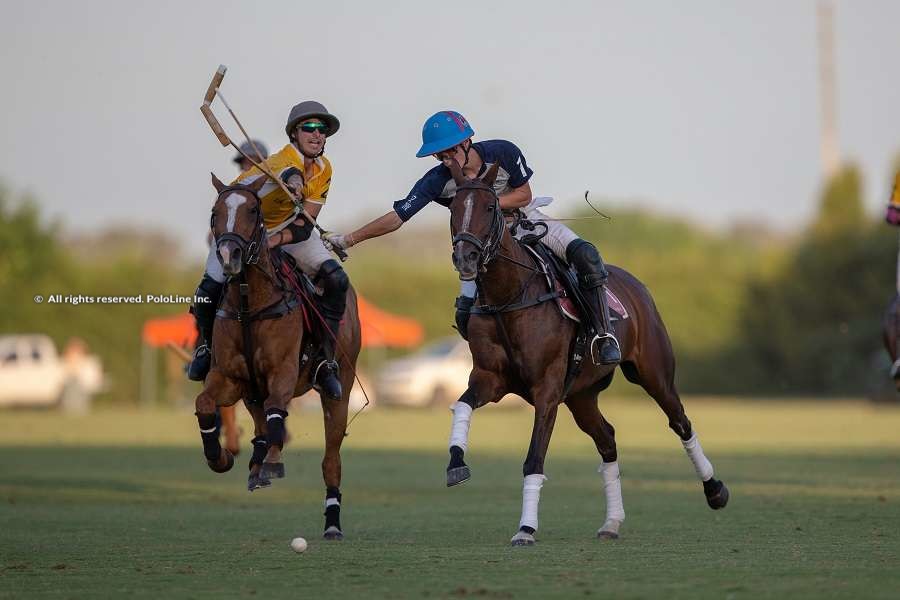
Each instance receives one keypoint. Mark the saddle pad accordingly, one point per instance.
(567, 306)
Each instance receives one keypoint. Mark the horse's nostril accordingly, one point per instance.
(473, 255)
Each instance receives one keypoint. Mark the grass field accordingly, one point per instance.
(121, 504)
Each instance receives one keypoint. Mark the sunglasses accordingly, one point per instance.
(314, 127)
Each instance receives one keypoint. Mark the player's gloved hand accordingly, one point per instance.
(337, 241)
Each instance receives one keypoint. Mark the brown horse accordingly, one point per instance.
(522, 345)
(260, 317)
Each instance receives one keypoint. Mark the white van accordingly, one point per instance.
(32, 374)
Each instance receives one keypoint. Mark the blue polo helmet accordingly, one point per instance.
(444, 130)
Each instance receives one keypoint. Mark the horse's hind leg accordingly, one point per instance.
(335, 414)
(228, 416)
(659, 381)
(590, 420)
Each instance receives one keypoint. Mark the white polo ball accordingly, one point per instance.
(298, 544)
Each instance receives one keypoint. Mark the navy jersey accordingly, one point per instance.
(438, 186)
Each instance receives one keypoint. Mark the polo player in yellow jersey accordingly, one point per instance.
(301, 165)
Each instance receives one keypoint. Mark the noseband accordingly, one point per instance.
(490, 246)
(249, 248)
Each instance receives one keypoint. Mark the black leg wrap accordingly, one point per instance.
(209, 433)
(260, 448)
(275, 426)
(332, 512)
(527, 529)
(463, 311)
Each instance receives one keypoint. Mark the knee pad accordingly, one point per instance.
(335, 283)
(208, 288)
(333, 278)
(584, 257)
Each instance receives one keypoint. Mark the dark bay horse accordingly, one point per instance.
(526, 351)
(273, 338)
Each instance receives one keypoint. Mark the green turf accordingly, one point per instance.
(121, 504)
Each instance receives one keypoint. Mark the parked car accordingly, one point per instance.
(437, 375)
(33, 374)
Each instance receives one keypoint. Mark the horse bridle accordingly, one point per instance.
(489, 247)
(249, 248)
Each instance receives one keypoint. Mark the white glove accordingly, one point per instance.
(337, 240)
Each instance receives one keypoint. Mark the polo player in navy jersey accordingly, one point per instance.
(447, 136)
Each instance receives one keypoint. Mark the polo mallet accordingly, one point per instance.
(211, 92)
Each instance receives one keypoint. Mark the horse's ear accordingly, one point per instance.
(491, 175)
(258, 184)
(456, 171)
(217, 184)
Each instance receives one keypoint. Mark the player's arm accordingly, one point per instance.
(518, 197)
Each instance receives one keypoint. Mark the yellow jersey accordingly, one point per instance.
(287, 164)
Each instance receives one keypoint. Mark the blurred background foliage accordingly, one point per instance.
(750, 311)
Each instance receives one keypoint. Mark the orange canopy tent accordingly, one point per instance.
(379, 328)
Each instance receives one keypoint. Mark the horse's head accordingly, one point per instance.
(476, 222)
(237, 224)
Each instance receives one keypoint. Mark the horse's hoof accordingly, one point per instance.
(610, 530)
(458, 475)
(229, 462)
(255, 482)
(716, 494)
(522, 539)
(271, 470)
(333, 533)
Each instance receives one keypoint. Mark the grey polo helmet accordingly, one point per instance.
(247, 148)
(310, 109)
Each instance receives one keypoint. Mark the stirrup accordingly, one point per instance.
(331, 371)
(598, 337)
(201, 361)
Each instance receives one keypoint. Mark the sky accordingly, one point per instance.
(704, 109)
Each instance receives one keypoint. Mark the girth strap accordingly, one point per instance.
(492, 309)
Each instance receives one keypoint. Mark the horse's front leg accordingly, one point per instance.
(533, 469)
(220, 390)
(260, 446)
(483, 387)
(281, 382)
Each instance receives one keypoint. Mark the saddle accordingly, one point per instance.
(292, 278)
(563, 279)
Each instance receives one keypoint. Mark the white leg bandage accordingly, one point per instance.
(459, 431)
(694, 451)
(612, 487)
(531, 497)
